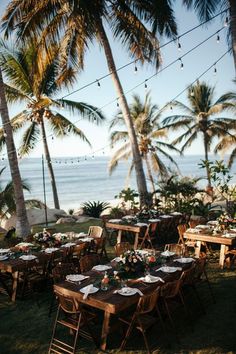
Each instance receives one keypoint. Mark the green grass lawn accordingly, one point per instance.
(26, 328)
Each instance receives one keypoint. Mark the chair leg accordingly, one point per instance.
(210, 288)
(129, 330)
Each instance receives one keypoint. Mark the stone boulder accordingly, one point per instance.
(35, 216)
(65, 220)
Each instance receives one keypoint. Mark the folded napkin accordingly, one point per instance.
(141, 224)
(184, 260)
(4, 250)
(230, 235)
(69, 244)
(117, 259)
(193, 231)
(76, 277)
(87, 290)
(151, 279)
(128, 291)
(51, 249)
(167, 253)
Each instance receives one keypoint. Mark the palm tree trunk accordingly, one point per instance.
(233, 27)
(140, 176)
(206, 159)
(150, 174)
(22, 224)
(50, 169)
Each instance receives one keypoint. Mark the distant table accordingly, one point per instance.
(225, 243)
(124, 227)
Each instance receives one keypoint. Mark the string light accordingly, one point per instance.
(192, 92)
(145, 85)
(117, 103)
(181, 64)
(218, 38)
(226, 21)
(135, 68)
(98, 83)
(215, 69)
(179, 45)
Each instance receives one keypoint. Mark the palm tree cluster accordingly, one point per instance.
(52, 38)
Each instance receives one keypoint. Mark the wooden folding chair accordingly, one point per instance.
(87, 262)
(178, 249)
(121, 248)
(71, 316)
(95, 231)
(149, 237)
(143, 317)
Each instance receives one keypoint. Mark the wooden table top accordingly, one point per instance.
(124, 227)
(220, 238)
(115, 303)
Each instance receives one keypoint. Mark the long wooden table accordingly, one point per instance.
(125, 227)
(110, 303)
(225, 243)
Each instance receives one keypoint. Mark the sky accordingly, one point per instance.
(163, 87)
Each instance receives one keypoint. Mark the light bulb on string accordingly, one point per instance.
(181, 64)
(98, 83)
(52, 137)
(2, 158)
(171, 108)
(117, 103)
(135, 68)
(215, 69)
(92, 156)
(179, 45)
(218, 38)
(192, 92)
(85, 159)
(145, 85)
(226, 21)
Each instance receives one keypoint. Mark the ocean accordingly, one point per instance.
(88, 180)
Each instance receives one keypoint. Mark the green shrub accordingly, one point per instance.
(94, 208)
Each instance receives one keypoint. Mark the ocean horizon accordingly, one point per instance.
(80, 180)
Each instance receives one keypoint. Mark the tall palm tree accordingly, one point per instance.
(228, 143)
(205, 9)
(79, 23)
(145, 117)
(22, 225)
(199, 118)
(35, 78)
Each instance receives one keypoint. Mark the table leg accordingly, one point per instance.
(136, 240)
(105, 330)
(14, 285)
(119, 236)
(223, 250)
(198, 249)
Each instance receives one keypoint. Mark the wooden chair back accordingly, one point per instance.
(79, 250)
(95, 231)
(171, 289)
(121, 248)
(147, 302)
(87, 262)
(150, 235)
(61, 270)
(188, 275)
(181, 230)
(179, 249)
(66, 302)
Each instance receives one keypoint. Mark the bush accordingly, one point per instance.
(95, 209)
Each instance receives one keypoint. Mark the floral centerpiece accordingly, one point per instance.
(223, 222)
(45, 238)
(131, 262)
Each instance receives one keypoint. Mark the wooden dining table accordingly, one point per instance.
(113, 303)
(223, 241)
(126, 227)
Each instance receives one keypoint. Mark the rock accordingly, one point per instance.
(65, 220)
(35, 216)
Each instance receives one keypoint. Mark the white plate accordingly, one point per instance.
(4, 250)
(126, 291)
(69, 244)
(154, 220)
(114, 220)
(86, 239)
(202, 227)
(101, 267)
(76, 277)
(91, 290)
(167, 269)
(228, 235)
(176, 213)
(184, 260)
(151, 279)
(27, 257)
(141, 224)
(51, 249)
(3, 258)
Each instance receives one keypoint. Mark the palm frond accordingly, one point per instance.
(29, 140)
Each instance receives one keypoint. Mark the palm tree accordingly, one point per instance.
(78, 23)
(35, 79)
(22, 225)
(145, 118)
(199, 119)
(7, 198)
(205, 9)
